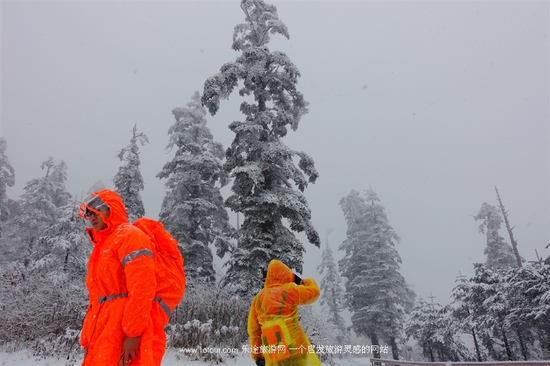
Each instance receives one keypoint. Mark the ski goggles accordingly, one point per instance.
(91, 206)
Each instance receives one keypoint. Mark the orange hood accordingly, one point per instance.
(116, 217)
(278, 273)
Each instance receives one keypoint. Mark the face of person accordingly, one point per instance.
(97, 220)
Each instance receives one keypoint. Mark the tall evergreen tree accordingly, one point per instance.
(500, 255)
(262, 166)
(192, 210)
(63, 249)
(473, 297)
(128, 180)
(462, 312)
(7, 179)
(332, 294)
(376, 292)
(490, 301)
(40, 201)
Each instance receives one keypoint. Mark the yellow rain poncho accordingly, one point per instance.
(273, 327)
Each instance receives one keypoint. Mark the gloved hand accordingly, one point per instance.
(260, 361)
(297, 280)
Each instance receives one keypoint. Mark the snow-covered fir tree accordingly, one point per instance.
(262, 166)
(522, 290)
(376, 292)
(7, 179)
(499, 254)
(48, 299)
(475, 292)
(332, 294)
(59, 262)
(462, 313)
(39, 203)
(435, 330)
(529, 289)
(192, 210)
(63, 249)
(58, 176)
(128, 180)
(490, 309)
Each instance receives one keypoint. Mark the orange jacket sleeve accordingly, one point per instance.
(254, 328)
(84, 334)
(137, 258)
(308, 292)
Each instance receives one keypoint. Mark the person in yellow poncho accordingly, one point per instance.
(276, 337)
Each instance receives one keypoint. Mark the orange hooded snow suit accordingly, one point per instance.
(121, 285)
(273, 326)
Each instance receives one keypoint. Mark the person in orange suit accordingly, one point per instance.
(276, 337)
(124, 325)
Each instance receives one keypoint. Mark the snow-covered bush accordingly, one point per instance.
(319, 331)
(211, 318)
(60, 345)
(41, 315)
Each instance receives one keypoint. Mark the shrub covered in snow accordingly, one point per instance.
(209, 317)
(41, 315)
(319, 331)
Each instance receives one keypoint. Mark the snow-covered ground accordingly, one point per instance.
(24, 358)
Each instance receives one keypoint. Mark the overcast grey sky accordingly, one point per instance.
(429, 104)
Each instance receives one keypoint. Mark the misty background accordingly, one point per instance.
(431, 105)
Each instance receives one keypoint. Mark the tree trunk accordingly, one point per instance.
(394, 349)
(489, 344)
(66, 262)
(509, 353)
(376, 353)
(432, 359)
(523, 347)
(478, 353)
(542, 331)
(442, 356)
(507, 223)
